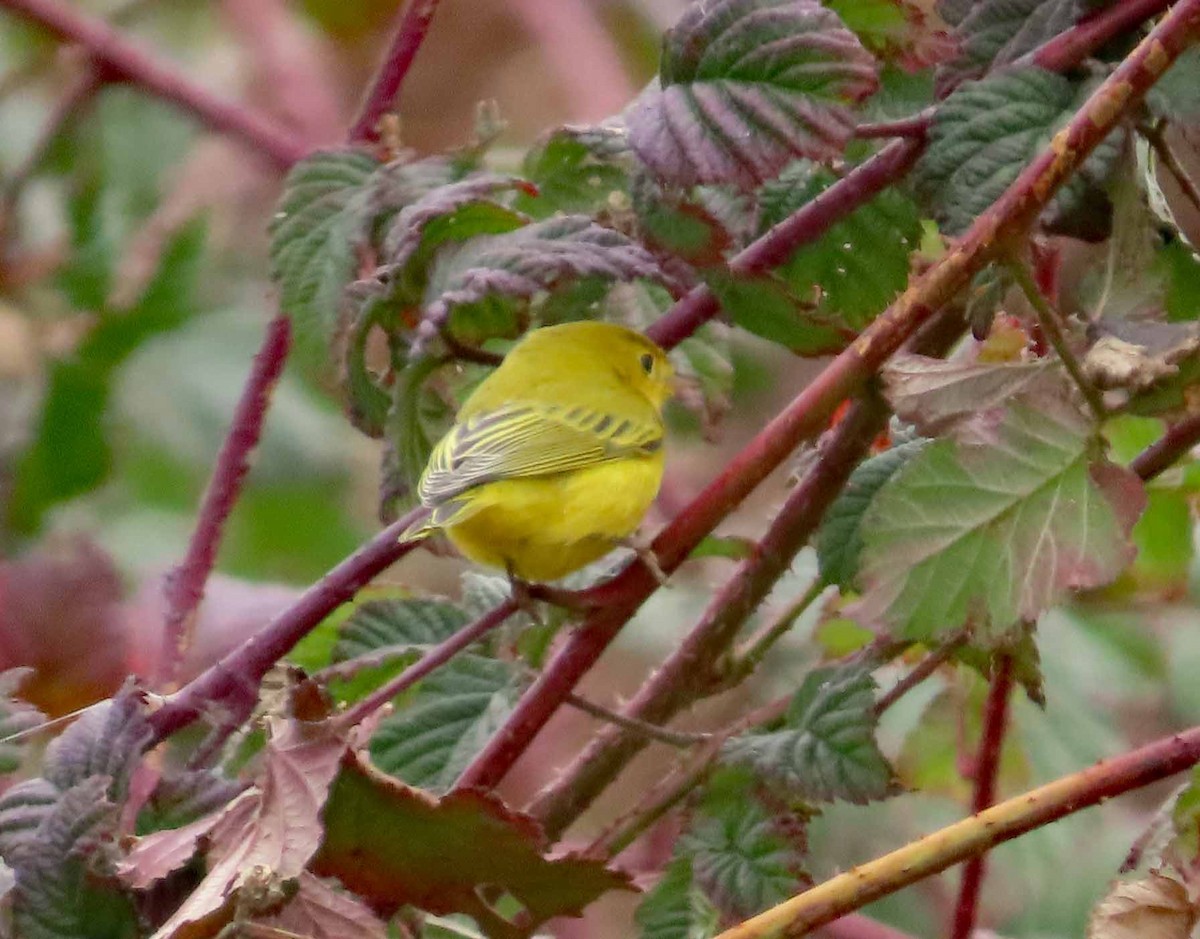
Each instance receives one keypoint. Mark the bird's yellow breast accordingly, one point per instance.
(544, 527)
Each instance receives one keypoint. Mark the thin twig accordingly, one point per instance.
(119, 58)
(436, 657)
(669, 792)
(916, 126)
(69, 108)
(1155, 135)
(407, 39)
(672, 738)
(1048, 318)
(754, 650)
(184, 587)
(986, 772)
(921, 671)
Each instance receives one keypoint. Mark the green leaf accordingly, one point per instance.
(994, 529)
(739, 853)
(826, 749)
(320, 222)
(767, 308)
(840, 539)
(70, 453)
(407, 622)
(747, 86)
(676, 908)
(580, 170)
(862, 261)
(678, 223)
(453, 714)
(986, 132)
(1183, 280)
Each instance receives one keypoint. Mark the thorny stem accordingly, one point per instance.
(1048, 317)
(184, 587)
(971, 836)
(1155, 135)
(407, 39)
(118, 58)
(986, 772)
(755, 649)
(921, 671)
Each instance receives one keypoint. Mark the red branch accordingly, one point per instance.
(986, 771)
(122, 60)
(409, 35)
(184, 586)
(803, 227)
(1160, 455)
(233, 681)
(1013, 213)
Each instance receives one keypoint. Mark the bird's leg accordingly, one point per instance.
(522, 595)
(640, 545)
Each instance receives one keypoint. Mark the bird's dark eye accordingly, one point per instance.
(647, 361)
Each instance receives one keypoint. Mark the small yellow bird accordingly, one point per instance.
(555, 458)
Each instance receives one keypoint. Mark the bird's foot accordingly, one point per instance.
(641, 546)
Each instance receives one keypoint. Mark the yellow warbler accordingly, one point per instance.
(555, 458)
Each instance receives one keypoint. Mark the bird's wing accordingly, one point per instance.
(531, 439)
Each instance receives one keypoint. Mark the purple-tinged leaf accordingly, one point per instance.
(274, 826)
(107, 740)
(992, 33)
(747, 86)
(900, 31)
(997, 526)
(22, 810)
(54, 897)
(467, 282)
(318, 911)
(827, 748)
(456, 212)
(937, 396)
(157, 855)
